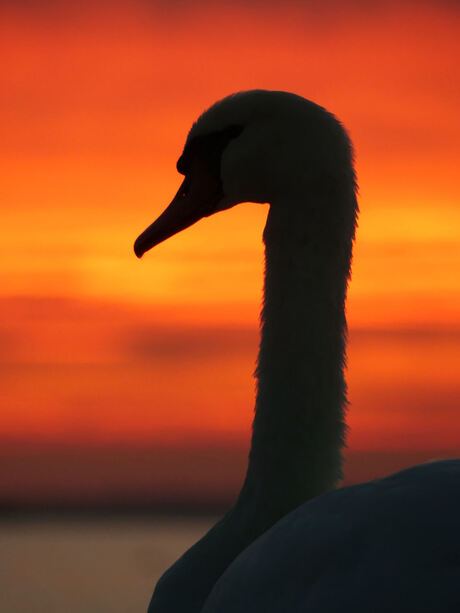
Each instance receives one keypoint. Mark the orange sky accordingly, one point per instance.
(99, 99)
(99, 103)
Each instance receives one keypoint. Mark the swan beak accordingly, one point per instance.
(190, 204)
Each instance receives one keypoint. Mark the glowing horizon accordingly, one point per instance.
(99, 104)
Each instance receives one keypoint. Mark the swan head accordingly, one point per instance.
(252, 146)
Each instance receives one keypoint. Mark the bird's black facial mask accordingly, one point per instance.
(200, 192)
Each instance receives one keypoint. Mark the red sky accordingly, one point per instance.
(99, 347)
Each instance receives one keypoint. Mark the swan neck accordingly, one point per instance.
(298, 429)
(298, 426)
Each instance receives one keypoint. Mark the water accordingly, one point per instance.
(95, 565)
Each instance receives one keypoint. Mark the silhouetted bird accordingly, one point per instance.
(289, 544)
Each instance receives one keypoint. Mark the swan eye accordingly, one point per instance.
(185, 191)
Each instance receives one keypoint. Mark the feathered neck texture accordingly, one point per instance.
(298, 429)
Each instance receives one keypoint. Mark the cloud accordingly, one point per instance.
(175, 343)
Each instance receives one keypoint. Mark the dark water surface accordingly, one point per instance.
(88, 565)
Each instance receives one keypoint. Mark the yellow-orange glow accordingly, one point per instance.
(99, 99)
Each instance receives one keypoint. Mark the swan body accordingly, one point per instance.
(291, 542)
(385, 546)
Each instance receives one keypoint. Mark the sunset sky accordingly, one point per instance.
(99, 349)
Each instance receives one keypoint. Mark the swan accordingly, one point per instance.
(292, 542)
